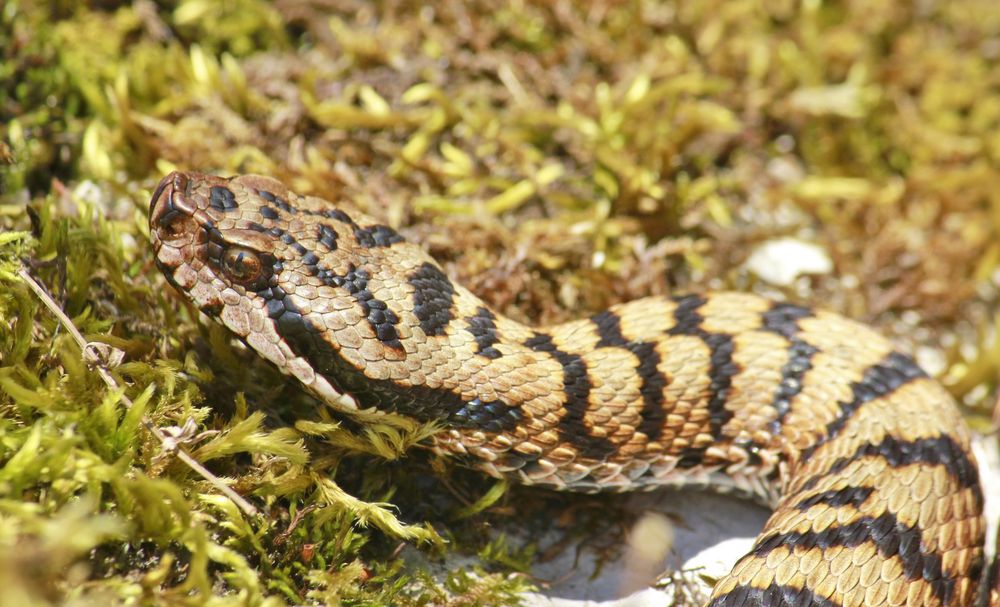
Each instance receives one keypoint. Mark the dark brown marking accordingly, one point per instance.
(783, 319)
(420, 402)
(482, 326)
(774, 595)
(891, 537)
(433, 296)
(327, 237)
(277, 201)
(941, 450)
(609, 329)
(881, 379)
(576, 386)
(221, 199)
(376, 236)
(383, 321)
(213, 308)
(688, 321)
(338, 215)
(837, 498)
(652, 416)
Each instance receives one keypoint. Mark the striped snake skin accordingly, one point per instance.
(865, 459)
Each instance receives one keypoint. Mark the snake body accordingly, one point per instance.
(866, 459)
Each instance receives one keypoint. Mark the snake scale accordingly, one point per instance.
(877, 499)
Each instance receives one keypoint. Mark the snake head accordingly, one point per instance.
(204, 243)
(244, 253)
(328, 297)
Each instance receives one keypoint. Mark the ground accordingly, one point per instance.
(556, 157)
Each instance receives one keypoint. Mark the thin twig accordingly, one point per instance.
(105, 374)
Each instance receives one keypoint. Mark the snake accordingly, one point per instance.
(864, 458)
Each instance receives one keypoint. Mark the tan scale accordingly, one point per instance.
(865, 460)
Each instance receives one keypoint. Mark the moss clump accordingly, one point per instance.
(556, 158)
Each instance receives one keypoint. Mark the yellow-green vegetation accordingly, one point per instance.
(555, 156)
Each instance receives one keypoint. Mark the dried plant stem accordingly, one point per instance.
(105, 374)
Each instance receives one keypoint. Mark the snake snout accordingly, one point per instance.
(162, 201)
(169, 202)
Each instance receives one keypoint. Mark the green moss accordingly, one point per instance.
(574, 157)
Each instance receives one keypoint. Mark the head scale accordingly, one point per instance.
(291, 276)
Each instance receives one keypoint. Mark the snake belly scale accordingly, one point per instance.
(866, 460)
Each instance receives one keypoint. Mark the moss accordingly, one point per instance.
(556, 158)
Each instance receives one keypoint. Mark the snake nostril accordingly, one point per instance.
(168, 210)
(171, 224)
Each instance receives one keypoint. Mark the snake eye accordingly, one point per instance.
(241, 265)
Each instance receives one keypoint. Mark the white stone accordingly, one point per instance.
(782, 260)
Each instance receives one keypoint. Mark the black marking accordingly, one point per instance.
(482, 326)
(837, 498)
(291, 324)
(609, 329)
(653, 383)
(213, 308)
(338, 215)
(941, 450)
(420, 402)
(214, 251)
(576, 386)
(687, 318)
(376, 236)
(774, 595)
(783, 319)
(722, 369)
(213, 233)
(277, 201)
(881, 379)
(221, 198)
(433, 296)
(275, 306)
(368, 237)
(383, 321)
(327, 237)
(891, 538)
(289, 240)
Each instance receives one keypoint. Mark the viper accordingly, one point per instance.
(864, 458)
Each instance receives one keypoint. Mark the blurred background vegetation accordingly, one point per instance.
(556, 157)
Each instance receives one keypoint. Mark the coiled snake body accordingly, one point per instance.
(876, 495)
